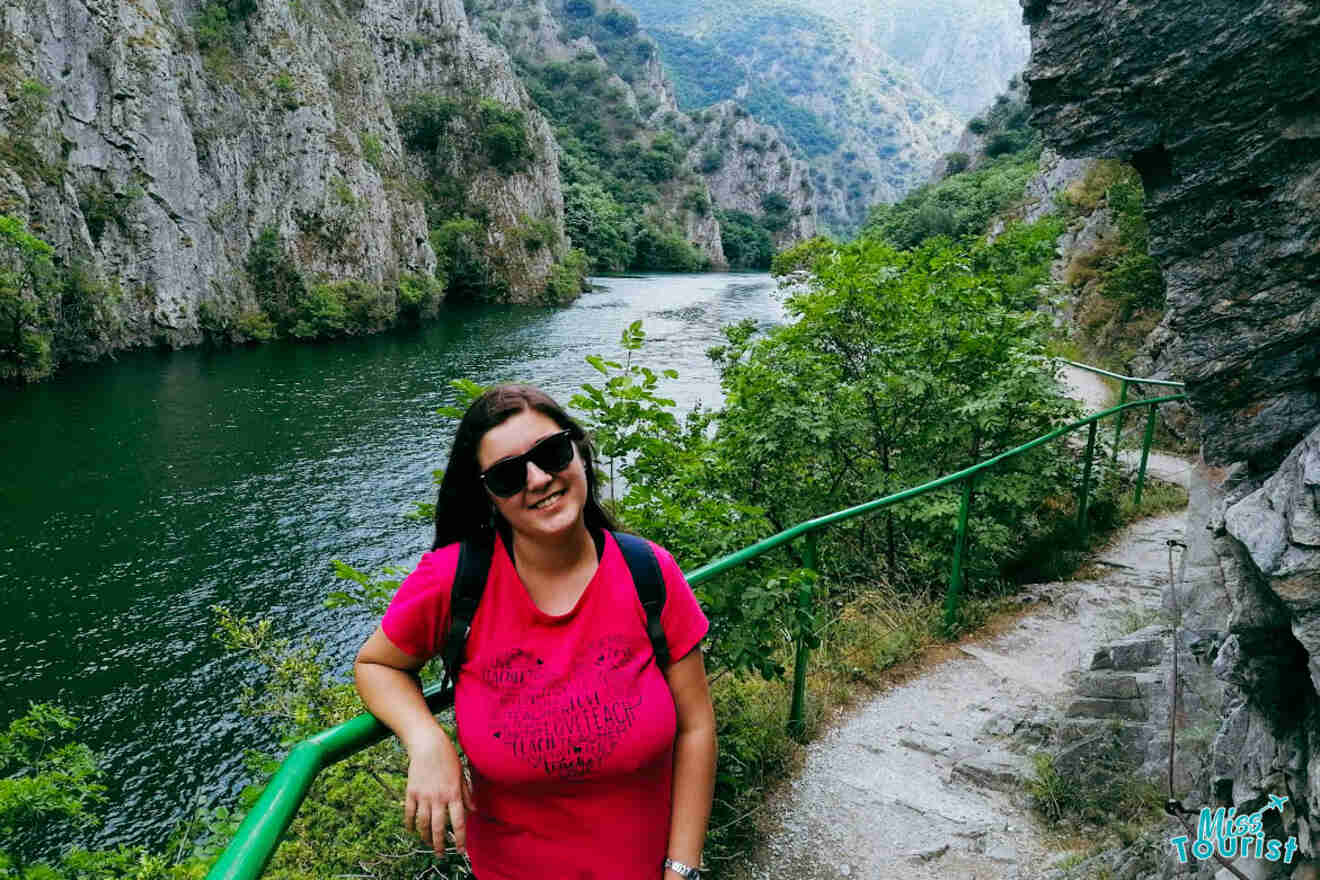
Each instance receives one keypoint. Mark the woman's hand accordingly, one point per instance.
(438, 793)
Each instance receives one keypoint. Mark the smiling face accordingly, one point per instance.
(550, 505)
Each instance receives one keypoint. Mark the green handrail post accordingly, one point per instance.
(959, 547)
(797, 724)
(1118, 420)
(1145, 454)
(1086, 485)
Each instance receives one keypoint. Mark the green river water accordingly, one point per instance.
(136, 494)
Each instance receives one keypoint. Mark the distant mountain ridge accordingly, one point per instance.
(871, 92)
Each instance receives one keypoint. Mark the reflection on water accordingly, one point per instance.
(137, 494)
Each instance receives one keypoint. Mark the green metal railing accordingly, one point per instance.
(257, 838)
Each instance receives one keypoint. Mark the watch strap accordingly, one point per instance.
(687, 872)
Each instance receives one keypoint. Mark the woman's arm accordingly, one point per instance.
(437, 789)
(694, 760)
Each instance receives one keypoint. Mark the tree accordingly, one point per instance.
(747, 243)
(29, 296)
(504, 136)
(43, 782)
(276, 278)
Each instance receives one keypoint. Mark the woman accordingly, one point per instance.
(586, 760)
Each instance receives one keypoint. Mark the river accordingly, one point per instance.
(136, 494)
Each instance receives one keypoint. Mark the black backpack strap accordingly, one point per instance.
(469, 584)
(650, 584)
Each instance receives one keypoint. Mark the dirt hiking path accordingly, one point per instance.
(928, 779)
(1091, 390)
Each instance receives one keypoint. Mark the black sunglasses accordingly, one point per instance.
(508, 476)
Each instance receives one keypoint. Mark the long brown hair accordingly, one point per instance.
(462, 510)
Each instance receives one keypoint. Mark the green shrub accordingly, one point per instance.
(221, 24)
(537, 233)
(459, 245)
(802, 256)
(87, 325)
(32, 100)
(1104, 791)
(277, 281)
(368, 307)
(419, 296)
(1003, 143)
(29, 295)
(747, 242)
(664, 250)
(955, 163)
(619, 23)
(424, 120)
(102, 207)
(662, 159)
(286, 90)
(977, 125)
(1083, 196)
(254, 325)
(696, 201)
(212, 28)
(567, 277)
(213, 321)
(45, 782)
(504, 136)
(373, 151)
(319, 313)
(774, 203)
(959, 205)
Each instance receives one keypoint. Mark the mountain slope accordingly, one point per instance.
(870, 93)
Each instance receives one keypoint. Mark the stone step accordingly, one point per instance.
(1140, 650)
(1095, 707)
(1113, 685)
(995, 769)
(1133, 734)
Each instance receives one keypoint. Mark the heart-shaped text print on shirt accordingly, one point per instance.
(567, 725)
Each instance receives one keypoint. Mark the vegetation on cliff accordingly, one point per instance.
(867, 127)
(49, 313)
(615, 169)
(1118, 286)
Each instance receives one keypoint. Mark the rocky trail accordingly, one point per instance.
(927, 780)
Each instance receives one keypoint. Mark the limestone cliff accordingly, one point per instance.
(755, 168)
(151, 142)
(605, 34)
(1217, 106)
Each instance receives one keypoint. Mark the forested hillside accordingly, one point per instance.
(1104, 290)
(870, 93)
(645, 186)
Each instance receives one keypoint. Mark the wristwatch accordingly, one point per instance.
(687, 872)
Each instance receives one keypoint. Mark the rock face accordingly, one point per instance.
(152, 145)
(1218, 112)
(1217, 108)
(756, 164)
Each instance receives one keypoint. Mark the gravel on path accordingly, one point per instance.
(1095, 395)
(927, 780)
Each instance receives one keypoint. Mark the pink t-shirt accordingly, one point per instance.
(566, 721)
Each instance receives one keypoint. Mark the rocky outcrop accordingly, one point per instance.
(1216, 106)
(756, 165)
(536, 32)
(1217, 110)
(1054, 176)
(151, 143)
